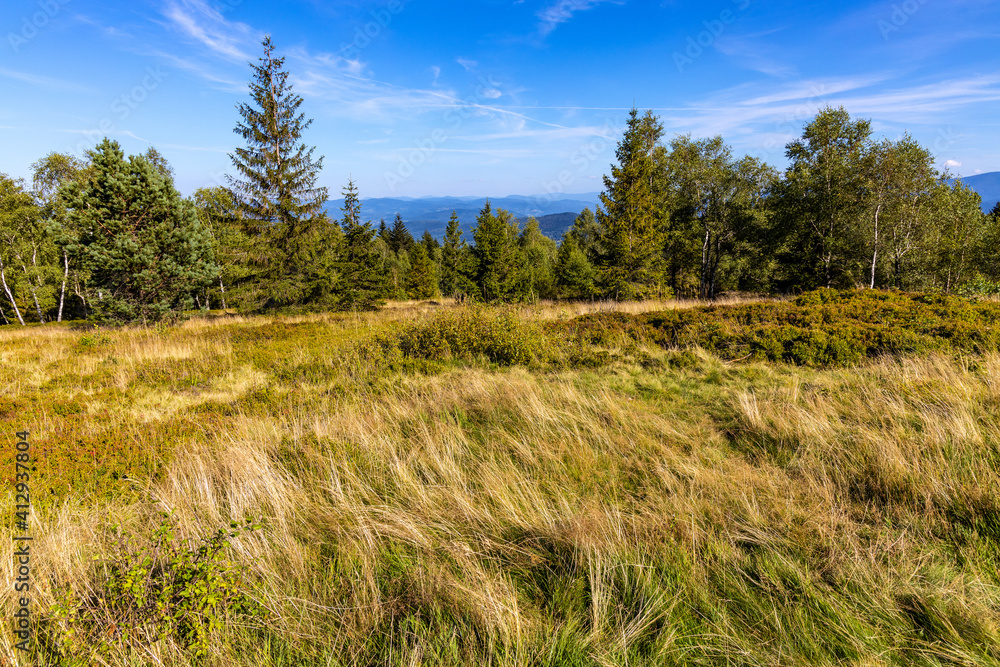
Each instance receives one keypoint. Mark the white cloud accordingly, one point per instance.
(952, 164)
(46, 82)
(206, 25)
(562, 11)
(469, 65)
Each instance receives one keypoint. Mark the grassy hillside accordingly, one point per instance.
(777, 483)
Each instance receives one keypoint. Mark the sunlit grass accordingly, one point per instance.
(656, 507)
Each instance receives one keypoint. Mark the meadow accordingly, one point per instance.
(811, 481)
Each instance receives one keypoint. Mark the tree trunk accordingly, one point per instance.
(62, 290)
(871, 284)
(3, 280)
(4, 316)
(706, 249)
(83, 301)
(222, 291)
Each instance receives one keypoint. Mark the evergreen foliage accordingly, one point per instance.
(421, 280)
(456, 262)
(630, 220)
(575, 276)
(276, 193)
(400, 238)
(496, 254)
(145, 250)
(360, 285)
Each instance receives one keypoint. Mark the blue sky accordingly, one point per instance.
(420, 97)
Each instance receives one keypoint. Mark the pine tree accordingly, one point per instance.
(536, 275)
(145, 250)
(421, 282)
(360, 285)
(574, 273)
(275, 190)
(400, 239)
(455, 261)
(629, 217)
(496, 254)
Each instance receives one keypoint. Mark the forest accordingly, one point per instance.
(109, 238)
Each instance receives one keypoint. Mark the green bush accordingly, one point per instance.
(499, 336)
(823, 328)
(164, 589)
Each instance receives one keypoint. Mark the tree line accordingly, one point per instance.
(109, 237)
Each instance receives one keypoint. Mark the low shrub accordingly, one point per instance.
(823, 328)
(166, 588)
(499, 336)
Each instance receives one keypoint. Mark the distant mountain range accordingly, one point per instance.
(988, 187)
(555, 213)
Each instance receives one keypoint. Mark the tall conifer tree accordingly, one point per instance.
(275, 189)
(629, 215)
(360, 285)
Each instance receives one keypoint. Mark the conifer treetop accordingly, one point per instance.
(276, 173)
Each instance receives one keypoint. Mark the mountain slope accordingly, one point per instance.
(987, 185)
(555, 214)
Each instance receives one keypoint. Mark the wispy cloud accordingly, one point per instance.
(467, 64)
(562, 11)
(773, 115)
(204, 24)
(756, 52)
(47, 82)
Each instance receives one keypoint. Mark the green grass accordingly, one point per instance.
(467, 486)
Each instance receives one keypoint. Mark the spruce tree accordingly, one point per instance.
(421, 281)
(400, 239)
(496, 254)
(360, 285)
(629, 216)
(574, 273)
(455, 261)
(275, 190)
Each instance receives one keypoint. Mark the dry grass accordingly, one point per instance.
(701, 513)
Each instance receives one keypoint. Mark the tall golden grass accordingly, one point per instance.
(663, 513)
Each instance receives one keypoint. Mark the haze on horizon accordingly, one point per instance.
(492, 98)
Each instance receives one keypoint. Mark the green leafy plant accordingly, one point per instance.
(165, 588)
